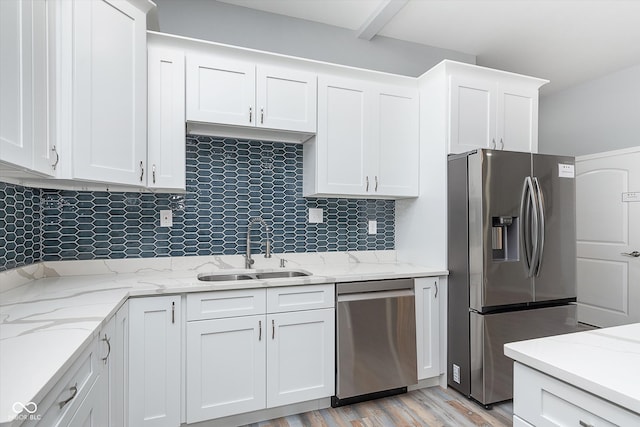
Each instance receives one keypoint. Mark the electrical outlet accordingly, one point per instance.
(456, 373)
(166, 218)
(373, 227)
(316, 215)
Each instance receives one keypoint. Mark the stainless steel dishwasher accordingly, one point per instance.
(376, 339)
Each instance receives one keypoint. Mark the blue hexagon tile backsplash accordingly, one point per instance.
(228, 182)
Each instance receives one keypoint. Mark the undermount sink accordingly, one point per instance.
(258, 275)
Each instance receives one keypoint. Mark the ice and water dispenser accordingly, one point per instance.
(505, 238)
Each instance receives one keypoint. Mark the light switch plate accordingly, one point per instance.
(166, 218)
(315, 215)
(373, 227)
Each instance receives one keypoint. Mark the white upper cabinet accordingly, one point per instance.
(367, 141)
(491, 109)
(166, 116)
(221, 91)
(286, 99)
(25, 144)
(237, 93)
(109, 91)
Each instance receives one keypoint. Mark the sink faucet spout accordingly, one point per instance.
(248, 262)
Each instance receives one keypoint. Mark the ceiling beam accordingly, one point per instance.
(378, 19)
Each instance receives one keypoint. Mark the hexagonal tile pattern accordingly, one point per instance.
(228, 182)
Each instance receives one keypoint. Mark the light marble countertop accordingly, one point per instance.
(61, 306)
(604, 362)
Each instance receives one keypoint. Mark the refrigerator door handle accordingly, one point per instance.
(541, 228)
(529, 227)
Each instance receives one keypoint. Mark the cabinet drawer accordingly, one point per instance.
(72, 389)
(303, 297)
(216, 305)
(545, 401)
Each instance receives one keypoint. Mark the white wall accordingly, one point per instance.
(240, 26)
(599, 115)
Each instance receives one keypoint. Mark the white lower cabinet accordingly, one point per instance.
(243, 363)
(542, 401)
(94, 409)
(428, 327)
(154, 361)
(300, 356)
(225, 367)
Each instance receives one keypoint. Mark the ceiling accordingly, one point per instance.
(565, 41)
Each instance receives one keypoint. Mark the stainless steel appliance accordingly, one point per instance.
(376, 339)
(512, 262)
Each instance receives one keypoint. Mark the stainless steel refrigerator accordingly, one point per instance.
(512, 262)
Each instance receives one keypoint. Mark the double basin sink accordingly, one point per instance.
(250, 275)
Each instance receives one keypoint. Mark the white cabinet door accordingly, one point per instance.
(109, 92)
(300, 356)
(427, 327)
(286, 99)
(154, 361)
(225, 367)
(396, 160)
(118, 368)
(517, 117)
(93, 411)
(472, 113)
(25, 86)
(16, 139)
(166, 130)
(221, 91)
(343, 132)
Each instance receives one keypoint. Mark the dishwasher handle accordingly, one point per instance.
(375, 295)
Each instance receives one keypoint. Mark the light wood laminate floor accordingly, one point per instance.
(431, 407)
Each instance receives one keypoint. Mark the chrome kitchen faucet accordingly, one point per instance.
(248, 261)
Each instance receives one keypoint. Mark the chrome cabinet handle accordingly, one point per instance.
(108, 341)
(634, 254)
(585, 424)
(262, 115)
(259, 330)
(436, 294)
(173, 312)
(55, 164)
(376, 178)
(153, 173)
(141, 171)
(501, 144)
(273, 329)
(367, 180)
(493, 143)
(74, 390)
(250, 114)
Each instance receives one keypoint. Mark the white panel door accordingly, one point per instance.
(221, 91)
(154, 361)
(608, 227)
(300, 356)
(109, 92)
(397, 158)
(517, 117)
(93, 411)
(286, 99)
(16, 139)
(427, 327)
(225, 367)
(344, 109)
(166, 110)
(472, 113)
